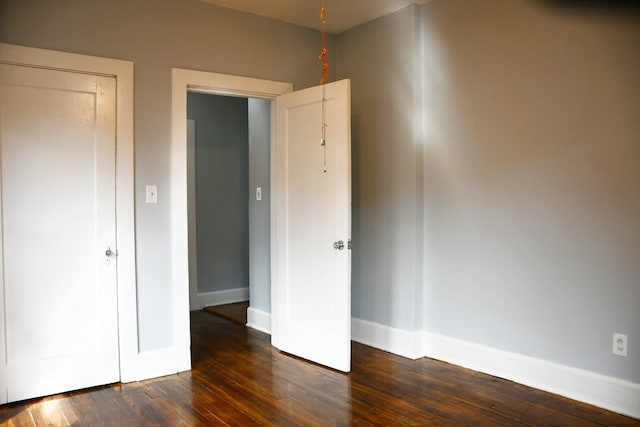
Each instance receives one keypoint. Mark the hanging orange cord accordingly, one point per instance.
(323, 54)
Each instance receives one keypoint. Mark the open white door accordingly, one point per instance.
(311, 305)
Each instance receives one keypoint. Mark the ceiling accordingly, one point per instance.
(341, 15)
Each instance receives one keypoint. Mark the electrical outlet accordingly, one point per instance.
(619, 344)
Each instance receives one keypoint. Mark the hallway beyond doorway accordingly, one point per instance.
(236, 312)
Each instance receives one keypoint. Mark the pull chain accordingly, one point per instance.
(323, 139)
(323, 77)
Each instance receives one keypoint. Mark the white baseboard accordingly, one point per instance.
(158, 363)
(397, 341)
(229, 296)
(259, 320)
(599, 390)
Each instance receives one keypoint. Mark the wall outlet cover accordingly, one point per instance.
(619, 344)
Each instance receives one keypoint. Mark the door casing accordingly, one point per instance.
(184, 81)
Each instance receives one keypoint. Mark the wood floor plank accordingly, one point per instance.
(238, 379)
(236, 312)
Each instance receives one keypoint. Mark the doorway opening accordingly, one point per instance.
(295, 209)
(184, 81)
(228, 175)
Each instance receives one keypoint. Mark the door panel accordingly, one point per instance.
(313, 210)
(59, 302)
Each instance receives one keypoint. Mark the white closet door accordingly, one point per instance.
(59, 294)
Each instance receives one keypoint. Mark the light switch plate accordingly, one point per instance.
(152, 194)
(258, 193)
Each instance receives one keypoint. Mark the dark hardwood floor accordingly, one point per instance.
(238, 379)
(236, 312)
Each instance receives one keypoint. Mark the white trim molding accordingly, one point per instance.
(125, 218)
(606, 392)
(228, 296)
(603, 391)
(397, 341)
(158, 363)
(259, 320)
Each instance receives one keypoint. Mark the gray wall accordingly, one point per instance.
(379, 59)
(259, 211)
(158, 35)
(529, 126)
(222, 211)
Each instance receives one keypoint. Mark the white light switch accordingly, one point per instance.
(258, 193)
(152, 194)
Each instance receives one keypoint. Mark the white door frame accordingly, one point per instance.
(125, 232)
(218, 84)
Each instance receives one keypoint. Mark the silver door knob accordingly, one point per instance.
(109, 252)
(339, 245)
